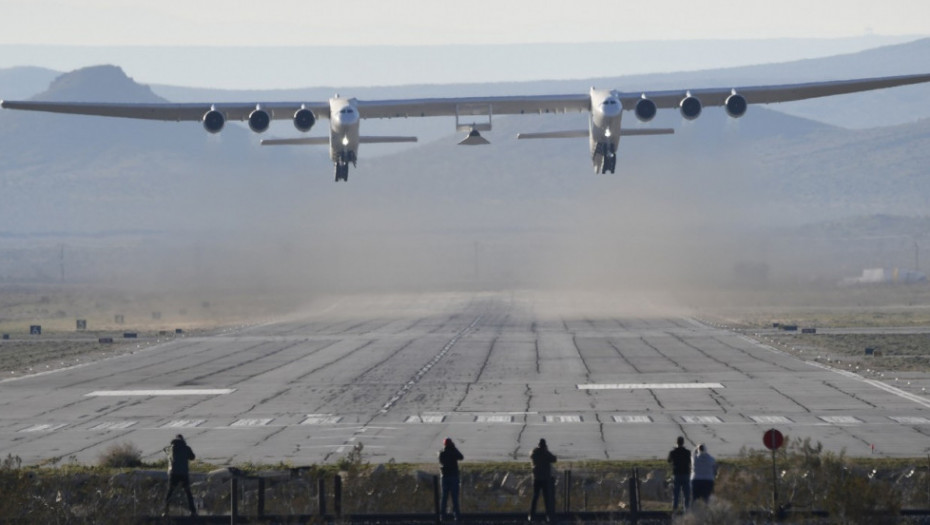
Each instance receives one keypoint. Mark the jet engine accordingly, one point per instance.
(736, 105)
(645, 109)
(259, 120)
(690, 107)
(304, 120)
(213, 121)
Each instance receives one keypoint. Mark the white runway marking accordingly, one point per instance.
(321, 419)
(425, 419)
(114, 425)
(251, 423)
(632, 419)
(702, 420)
(183, 423)
(646, 386)
(562, 419)
(47, 427)
(910, 420)
(771, 420)
(171, 392)
(493, 419)
(841, 420)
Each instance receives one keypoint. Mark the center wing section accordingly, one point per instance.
(444, 107)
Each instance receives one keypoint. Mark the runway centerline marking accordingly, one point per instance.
(163, 392)
(646, 386)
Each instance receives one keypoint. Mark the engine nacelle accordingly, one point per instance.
(736, 105)
(259, 120)
(645, 110)
(690, 107)
(213, 121)
(304, 120)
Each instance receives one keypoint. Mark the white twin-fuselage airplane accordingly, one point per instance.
(605, 108)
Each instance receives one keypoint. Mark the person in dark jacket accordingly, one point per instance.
(449, 458)
(179, 456)
(542, 478)
(680, 458)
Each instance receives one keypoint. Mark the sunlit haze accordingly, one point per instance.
(289, 43)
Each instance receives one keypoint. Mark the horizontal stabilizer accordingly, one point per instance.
(655, 131)
(311, 141)
(386, 139)
(574, 134)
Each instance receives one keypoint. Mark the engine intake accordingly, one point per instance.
(213, 121)
(304, 120)
(259, 120)
(690, 107)
(645, 110)
(736, 105)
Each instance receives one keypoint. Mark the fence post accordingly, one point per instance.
(337, 495)
(321, 496)
(634, 494)
(567, 491)
(261, 497)
(436, 508)
(233, 499)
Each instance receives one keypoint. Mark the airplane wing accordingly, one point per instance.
(168, 111)
(771, 94)
(423, 107)
(431, 107)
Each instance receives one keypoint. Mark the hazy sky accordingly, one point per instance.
(185, 43)
(430, 22)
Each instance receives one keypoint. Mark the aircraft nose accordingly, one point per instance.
(611, 107)
(346, 116)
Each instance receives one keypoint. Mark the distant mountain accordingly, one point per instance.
(18, 83)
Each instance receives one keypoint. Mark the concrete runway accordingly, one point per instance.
(494, 371)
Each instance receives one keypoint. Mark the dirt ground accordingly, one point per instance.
(131, 320)
(156, 315)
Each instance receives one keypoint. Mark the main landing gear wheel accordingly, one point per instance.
(609, 151)
(342, 172)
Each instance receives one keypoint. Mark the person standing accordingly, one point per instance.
(680, 459)
(542, 478)
(705, 472)
(179, 457)
(449, 458)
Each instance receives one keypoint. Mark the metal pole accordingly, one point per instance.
(774, 484)
(233, 500)
(436, 508)
(337, 495)
(566, 483)
(321, 496)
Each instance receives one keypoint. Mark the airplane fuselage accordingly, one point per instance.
(604, 126)
(343, 130)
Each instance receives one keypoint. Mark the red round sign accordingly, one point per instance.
(773, 439)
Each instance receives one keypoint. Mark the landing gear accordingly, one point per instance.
(342, 165)
(342, 171)
(608, 153)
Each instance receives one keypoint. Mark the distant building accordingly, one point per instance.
(887, 276)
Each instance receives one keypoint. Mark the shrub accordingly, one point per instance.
(121, 455)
